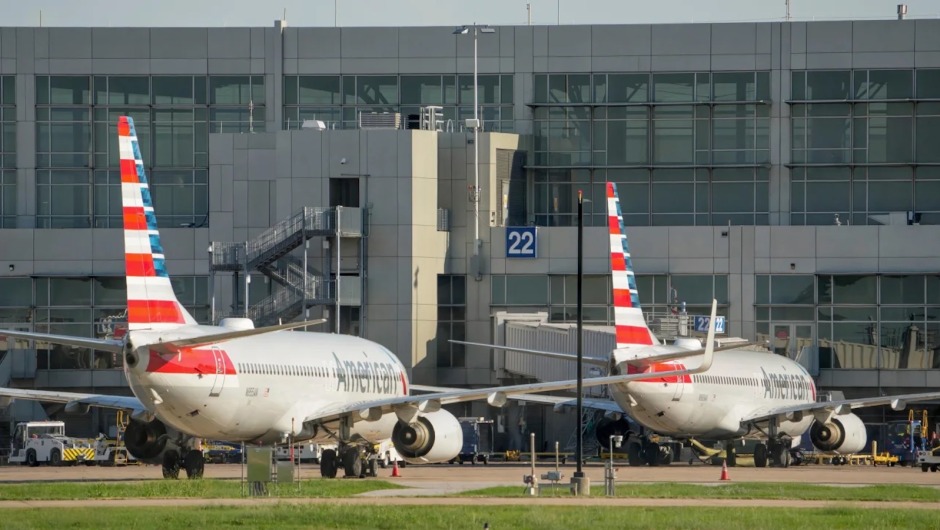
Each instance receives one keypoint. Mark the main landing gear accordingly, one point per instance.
(352, 459)
(192, 462)
(774, 452)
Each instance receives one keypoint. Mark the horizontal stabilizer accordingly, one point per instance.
(174, 346)
(111, 345)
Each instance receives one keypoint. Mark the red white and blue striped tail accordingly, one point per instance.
(151, 302)
(628, 318)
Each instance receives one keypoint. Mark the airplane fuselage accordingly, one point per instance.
(260, 388)
(710, 405)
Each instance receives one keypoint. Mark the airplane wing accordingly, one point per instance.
(606, 405)
(598, 361)
(824, 410)
(408, 407)
(111, 345)
(71, 398)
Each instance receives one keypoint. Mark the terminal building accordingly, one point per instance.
(790, 170)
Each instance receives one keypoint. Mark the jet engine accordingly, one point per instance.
(148, 441)
(843, 434)
(431, 438)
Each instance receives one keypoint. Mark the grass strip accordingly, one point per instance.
(466, 517)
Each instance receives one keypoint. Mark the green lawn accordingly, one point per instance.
(327, 488)
(207, 489)
(466, 517)
(749, 490)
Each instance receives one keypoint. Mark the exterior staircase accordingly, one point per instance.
(297, 287)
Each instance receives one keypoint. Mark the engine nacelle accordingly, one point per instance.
(844, 434)
(433, 437)
(148, 442)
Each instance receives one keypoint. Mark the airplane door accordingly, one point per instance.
(680, 388)
(219, 376)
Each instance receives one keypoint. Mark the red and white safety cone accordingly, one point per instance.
(724, 471)
(395, 472)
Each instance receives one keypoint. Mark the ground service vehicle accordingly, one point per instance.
(477, 441)
(929, 460)
(36, 442)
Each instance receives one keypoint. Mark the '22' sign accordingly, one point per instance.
(521, 242)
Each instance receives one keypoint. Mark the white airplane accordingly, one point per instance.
(743, 394)
(266, 386)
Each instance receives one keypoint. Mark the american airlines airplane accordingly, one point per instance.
(743, 394)
(263, 386)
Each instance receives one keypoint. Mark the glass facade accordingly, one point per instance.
(84, 307)
(78, 179)
(451, 320)
(339, 100)
(863, 145)
(7, 151)
(689, 148)
(861, 321)
(557, 294)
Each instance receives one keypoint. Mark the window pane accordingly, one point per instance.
(110, 291)
(377, 89)
(624, 88)
(734, 86)
(822, 84)
(70, 291)
(693, 289)
(884, 84)
(173, 90)
(69, 90)
(129, 90)
(673, 87)
(851, 289)
(792, 289)
(762, 289)
(928, 83)
(526, 290)
(319, 90)
(903, 290)
(16, 292)
(229, 90)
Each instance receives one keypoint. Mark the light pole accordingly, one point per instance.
(474, 123)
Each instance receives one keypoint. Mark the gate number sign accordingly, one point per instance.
(521, 242)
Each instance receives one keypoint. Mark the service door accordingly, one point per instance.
(219, 376)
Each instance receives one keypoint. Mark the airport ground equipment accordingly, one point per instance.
(929, 460)
(114, 452)
(219, 452)
(907, 438)
(36, 442)
(477, 441)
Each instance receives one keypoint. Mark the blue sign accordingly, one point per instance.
(701, 324)
(521, 242)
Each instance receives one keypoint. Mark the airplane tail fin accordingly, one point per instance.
(628, 318)
(151, 302)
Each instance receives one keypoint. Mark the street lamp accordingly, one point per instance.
(475, 125)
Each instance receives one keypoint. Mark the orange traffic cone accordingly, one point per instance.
(724, 471)
(395, 472)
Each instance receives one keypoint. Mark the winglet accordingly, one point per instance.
(151, 302)
(709, 340)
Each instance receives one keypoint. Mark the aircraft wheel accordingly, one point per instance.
(194, 464)
(633, 455)
(171, 465)
(55, 458)
(328, 464)
(666, 456)
(373, 468)
(352, 464)
(652, 454)
(760, 455)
